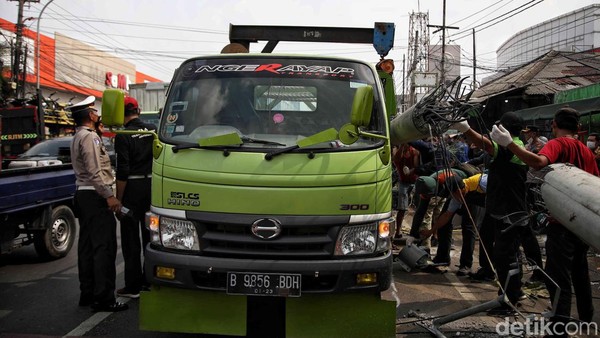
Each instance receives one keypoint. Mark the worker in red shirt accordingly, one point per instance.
(566, 253)
(406, 160)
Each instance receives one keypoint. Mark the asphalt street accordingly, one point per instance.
(39, 299)
(438, 293)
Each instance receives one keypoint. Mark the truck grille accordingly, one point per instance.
(297, 241)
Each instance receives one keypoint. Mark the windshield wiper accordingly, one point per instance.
(220, 141)
(191, 146)
(247, 139)
(324, 136)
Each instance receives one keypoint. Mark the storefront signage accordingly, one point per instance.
(120, 81)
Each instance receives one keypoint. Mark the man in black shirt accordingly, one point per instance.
(506, 203)
(134, 172)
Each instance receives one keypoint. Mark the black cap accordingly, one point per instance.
(512, 122)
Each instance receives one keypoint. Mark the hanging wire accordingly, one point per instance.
(442, 107)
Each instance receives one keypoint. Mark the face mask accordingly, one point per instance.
(591, 144)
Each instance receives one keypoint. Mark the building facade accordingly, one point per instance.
(68, 67)
(69, 71)
(576, 31)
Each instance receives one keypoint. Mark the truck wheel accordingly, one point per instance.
(56, 241)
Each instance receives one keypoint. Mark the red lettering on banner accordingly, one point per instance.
(121, 81)
(270, 68)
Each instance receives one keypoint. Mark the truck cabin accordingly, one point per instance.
(282, 100)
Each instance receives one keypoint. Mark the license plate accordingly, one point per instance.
(264, 284)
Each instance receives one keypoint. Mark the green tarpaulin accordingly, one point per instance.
(585, 107)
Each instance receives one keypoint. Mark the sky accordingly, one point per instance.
(157, 35)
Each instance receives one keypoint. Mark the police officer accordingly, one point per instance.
(95, 204)
(134, 168)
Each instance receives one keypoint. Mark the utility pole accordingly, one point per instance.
(38, 91)
(443, 70)
(474, 63)
(412, 100)
(24, 74)
(19, 72)
(16, 70)
(403, 82)
(443, 28)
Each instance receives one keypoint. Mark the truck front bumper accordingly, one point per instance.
(318, 276)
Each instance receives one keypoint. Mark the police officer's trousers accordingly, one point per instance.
(97, 247)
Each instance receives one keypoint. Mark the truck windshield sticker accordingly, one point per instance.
(172, 117)
(277, 68)
(278, 118)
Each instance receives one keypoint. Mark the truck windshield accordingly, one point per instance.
(277, 99)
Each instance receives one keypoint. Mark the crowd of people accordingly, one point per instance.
(480, 183)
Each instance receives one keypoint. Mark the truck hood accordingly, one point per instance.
(244, 182)
(286, 170)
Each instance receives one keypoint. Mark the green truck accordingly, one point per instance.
(271, 191)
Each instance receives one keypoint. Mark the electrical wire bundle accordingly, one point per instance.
(434, 113)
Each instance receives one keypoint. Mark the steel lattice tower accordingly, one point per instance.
(418, 50)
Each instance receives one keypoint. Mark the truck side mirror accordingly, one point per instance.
(362, 106)
(360, 115)
(113, 108)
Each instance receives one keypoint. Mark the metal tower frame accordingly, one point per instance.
(418, 51)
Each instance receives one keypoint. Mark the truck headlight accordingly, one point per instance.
(356, 240)
(172, 232)
(363, 239)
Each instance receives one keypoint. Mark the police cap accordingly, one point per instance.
(83, 106)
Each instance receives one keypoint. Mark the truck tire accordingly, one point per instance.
(56, 241)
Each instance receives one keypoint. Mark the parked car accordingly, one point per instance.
(53, 152)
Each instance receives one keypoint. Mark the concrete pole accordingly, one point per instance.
(474, 63)
(18, 45)
(42, 128)
(443, 71)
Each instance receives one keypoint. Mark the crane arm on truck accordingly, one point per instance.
(381, 36)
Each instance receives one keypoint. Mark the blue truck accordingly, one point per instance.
(36, 207)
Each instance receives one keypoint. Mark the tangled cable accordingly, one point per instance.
(442, 107)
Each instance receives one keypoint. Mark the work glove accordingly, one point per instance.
(461, 126)
(405, 170)
(501, 135)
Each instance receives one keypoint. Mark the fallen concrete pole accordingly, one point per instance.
(571, 196)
